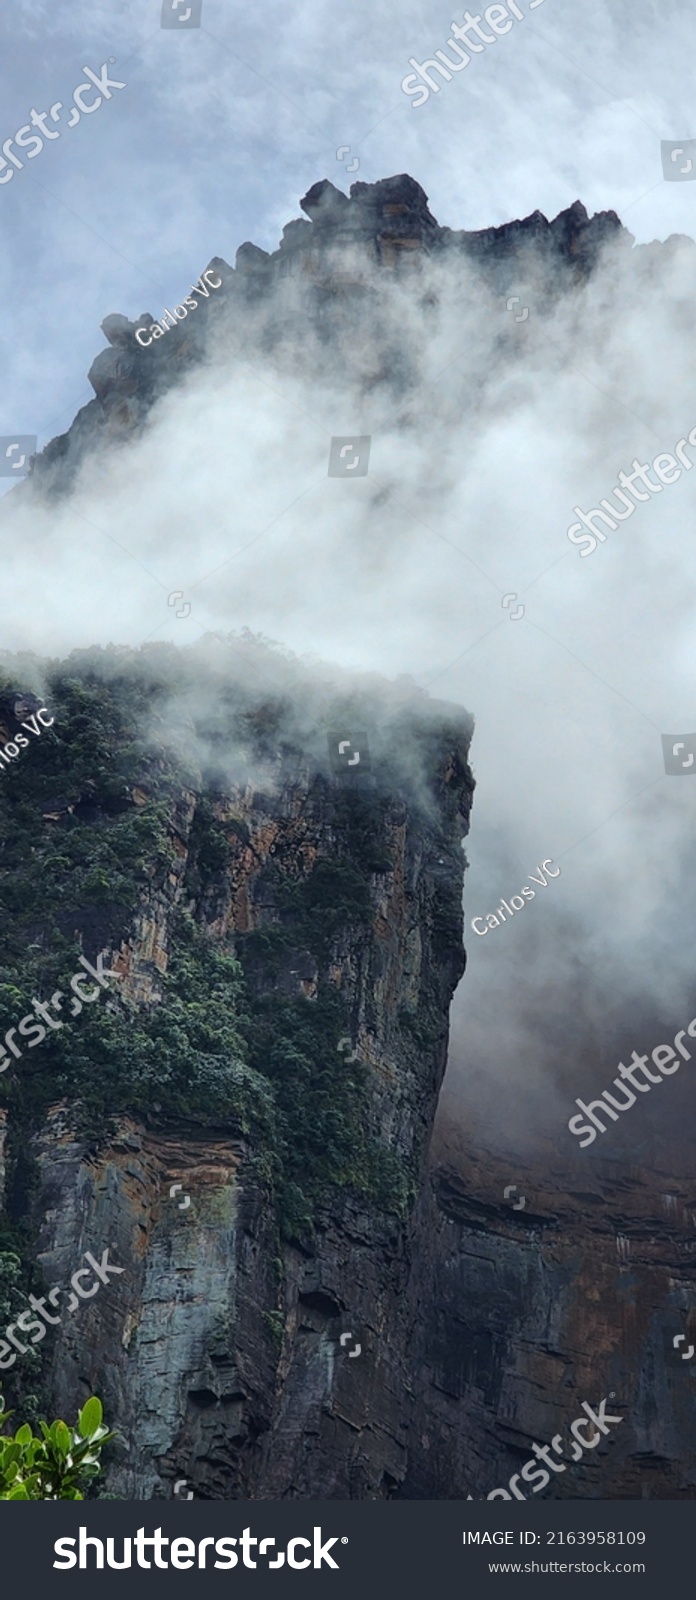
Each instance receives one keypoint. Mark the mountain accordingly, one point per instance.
(319, 283)
(320, 1283)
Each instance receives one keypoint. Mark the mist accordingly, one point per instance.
(485, 434)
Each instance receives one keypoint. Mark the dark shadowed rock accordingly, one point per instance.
(325, 204)
(117, 329)
(250, 259)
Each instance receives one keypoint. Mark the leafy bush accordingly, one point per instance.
(323, 1138)
(57, 1465)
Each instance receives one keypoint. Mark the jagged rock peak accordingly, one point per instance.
(325, 201)
(397, 207)
(323, 263)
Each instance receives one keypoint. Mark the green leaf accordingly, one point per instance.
(50, 1468)
(61, 1438)
(89, 1419)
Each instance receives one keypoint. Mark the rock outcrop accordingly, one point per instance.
(310, 1300)
(217, 1344)
(322, 275)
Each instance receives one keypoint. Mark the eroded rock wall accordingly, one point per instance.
(217, 1346)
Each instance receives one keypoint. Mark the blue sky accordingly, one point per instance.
(221, 129)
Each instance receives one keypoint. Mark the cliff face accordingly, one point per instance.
(246, 1250)
(574, 1297)
(243, 1123)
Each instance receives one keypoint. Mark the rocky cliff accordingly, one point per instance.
(255, 1187)
(575, 1297)
(312, 1298)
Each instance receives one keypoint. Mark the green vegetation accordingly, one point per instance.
(12, 1303)
(324, 1139)
(225, 1046)
(275, 1326)
(57, 1464)
(315, 910)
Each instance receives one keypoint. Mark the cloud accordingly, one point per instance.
(220, 129)
(485, 435)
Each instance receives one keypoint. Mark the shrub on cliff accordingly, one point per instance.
(58, 1465)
